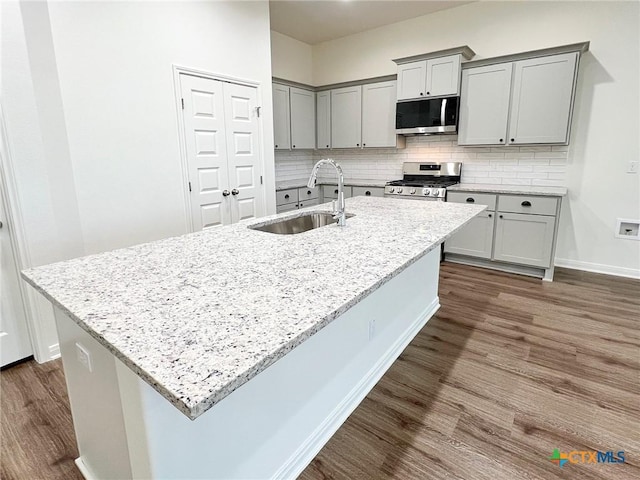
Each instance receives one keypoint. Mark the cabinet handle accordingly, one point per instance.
(364, 144)
(428, 93)
(367, 193)
(300, 205)
(421, 93)
(500, 216)
(294, 146)
(357, 144)
(471, 200)
(335, 191)
(489, 215)
(285, 197)
(225, 193)
(276, 146)
(501, 140)
(526, 203)
(234, 191)
(327, 146)
(513, 139)
(308, 192)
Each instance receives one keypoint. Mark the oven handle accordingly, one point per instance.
(442, 111)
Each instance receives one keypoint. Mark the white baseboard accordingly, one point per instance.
(598, 268)
(84, 470)
(310, 448)
(54, 351)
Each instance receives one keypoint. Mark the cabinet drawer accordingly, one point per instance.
(488, 199)
(528, 204)
(309, 203)
(368, 191)
(287, 196)
(286, 207)
(307, 193)
(330, 192)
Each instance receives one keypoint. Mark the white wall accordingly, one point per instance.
(91, 116)
(291, 59)
(115, 68)
(606, 118)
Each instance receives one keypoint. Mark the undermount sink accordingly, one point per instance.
(300, 224)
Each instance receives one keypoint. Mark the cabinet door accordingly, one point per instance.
(524, 239)
(443, 76)
(412, 79)
(346, 117)
(475, 238)
(281, 119)
(541, 102)
(379, 114)
(323, 119)
(303, 118)
(368, 191)
(484, 105)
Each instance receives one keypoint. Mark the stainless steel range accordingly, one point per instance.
(425, 180)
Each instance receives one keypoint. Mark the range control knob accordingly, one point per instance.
(399, 189)
(435, 192)
(426, 191)
(392, 189)
(412, 191)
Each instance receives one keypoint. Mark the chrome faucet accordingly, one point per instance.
(339, 210)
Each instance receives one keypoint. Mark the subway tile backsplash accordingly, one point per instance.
(539, 165)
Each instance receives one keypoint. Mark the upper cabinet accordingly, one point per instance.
(431, 75)
(346, 117)
(303, 118)
(281, 117)
(378, 114)
(294, 118)
(323, 119)
(520, 102)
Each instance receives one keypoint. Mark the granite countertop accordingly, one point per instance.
(287, 184)
(196, 316)
(514, 189)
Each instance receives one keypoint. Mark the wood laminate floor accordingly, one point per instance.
(508, 370)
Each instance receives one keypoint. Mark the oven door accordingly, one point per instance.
(428, 116)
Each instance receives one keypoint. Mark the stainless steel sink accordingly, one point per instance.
(300, 224)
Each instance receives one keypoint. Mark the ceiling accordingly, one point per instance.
(316, 21)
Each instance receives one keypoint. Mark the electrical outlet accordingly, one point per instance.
(633, 166)
(84, 357)
(372, 328)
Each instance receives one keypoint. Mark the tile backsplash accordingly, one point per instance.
(539, 165)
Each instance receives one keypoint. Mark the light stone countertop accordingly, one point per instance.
(513, 189)
(287, 184)
(196, 316)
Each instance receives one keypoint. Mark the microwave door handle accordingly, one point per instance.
(443, 107)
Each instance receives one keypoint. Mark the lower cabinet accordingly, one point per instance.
(330, 192)
(517, 230)
(295, 198)
(368, 191)
(475, 238)
(524, 239)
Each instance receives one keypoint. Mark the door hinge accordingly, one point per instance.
(260, 179)
(258, 111)
(182, 101)
(189, 186)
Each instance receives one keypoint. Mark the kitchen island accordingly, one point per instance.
(237, 353)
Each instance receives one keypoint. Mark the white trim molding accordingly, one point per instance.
(598, 268)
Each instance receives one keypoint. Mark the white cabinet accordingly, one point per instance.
(524, 239)
(379, 114)
(528, 101)
(346, 117)
(323, 119)
(294, 118)
(296, 198)
(541, 99)
(330, 192)
(303, 114)
(429, 78)
(518, 235)
(484, 105)
(281, 117)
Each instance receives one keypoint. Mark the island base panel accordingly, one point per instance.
(273, 425)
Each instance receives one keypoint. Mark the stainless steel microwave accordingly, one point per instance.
(427, 116)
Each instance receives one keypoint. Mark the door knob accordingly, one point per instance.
(225, 193)
(234, 191)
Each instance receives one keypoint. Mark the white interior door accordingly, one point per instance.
(204, 126)
(243, 151)
(14, 334)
